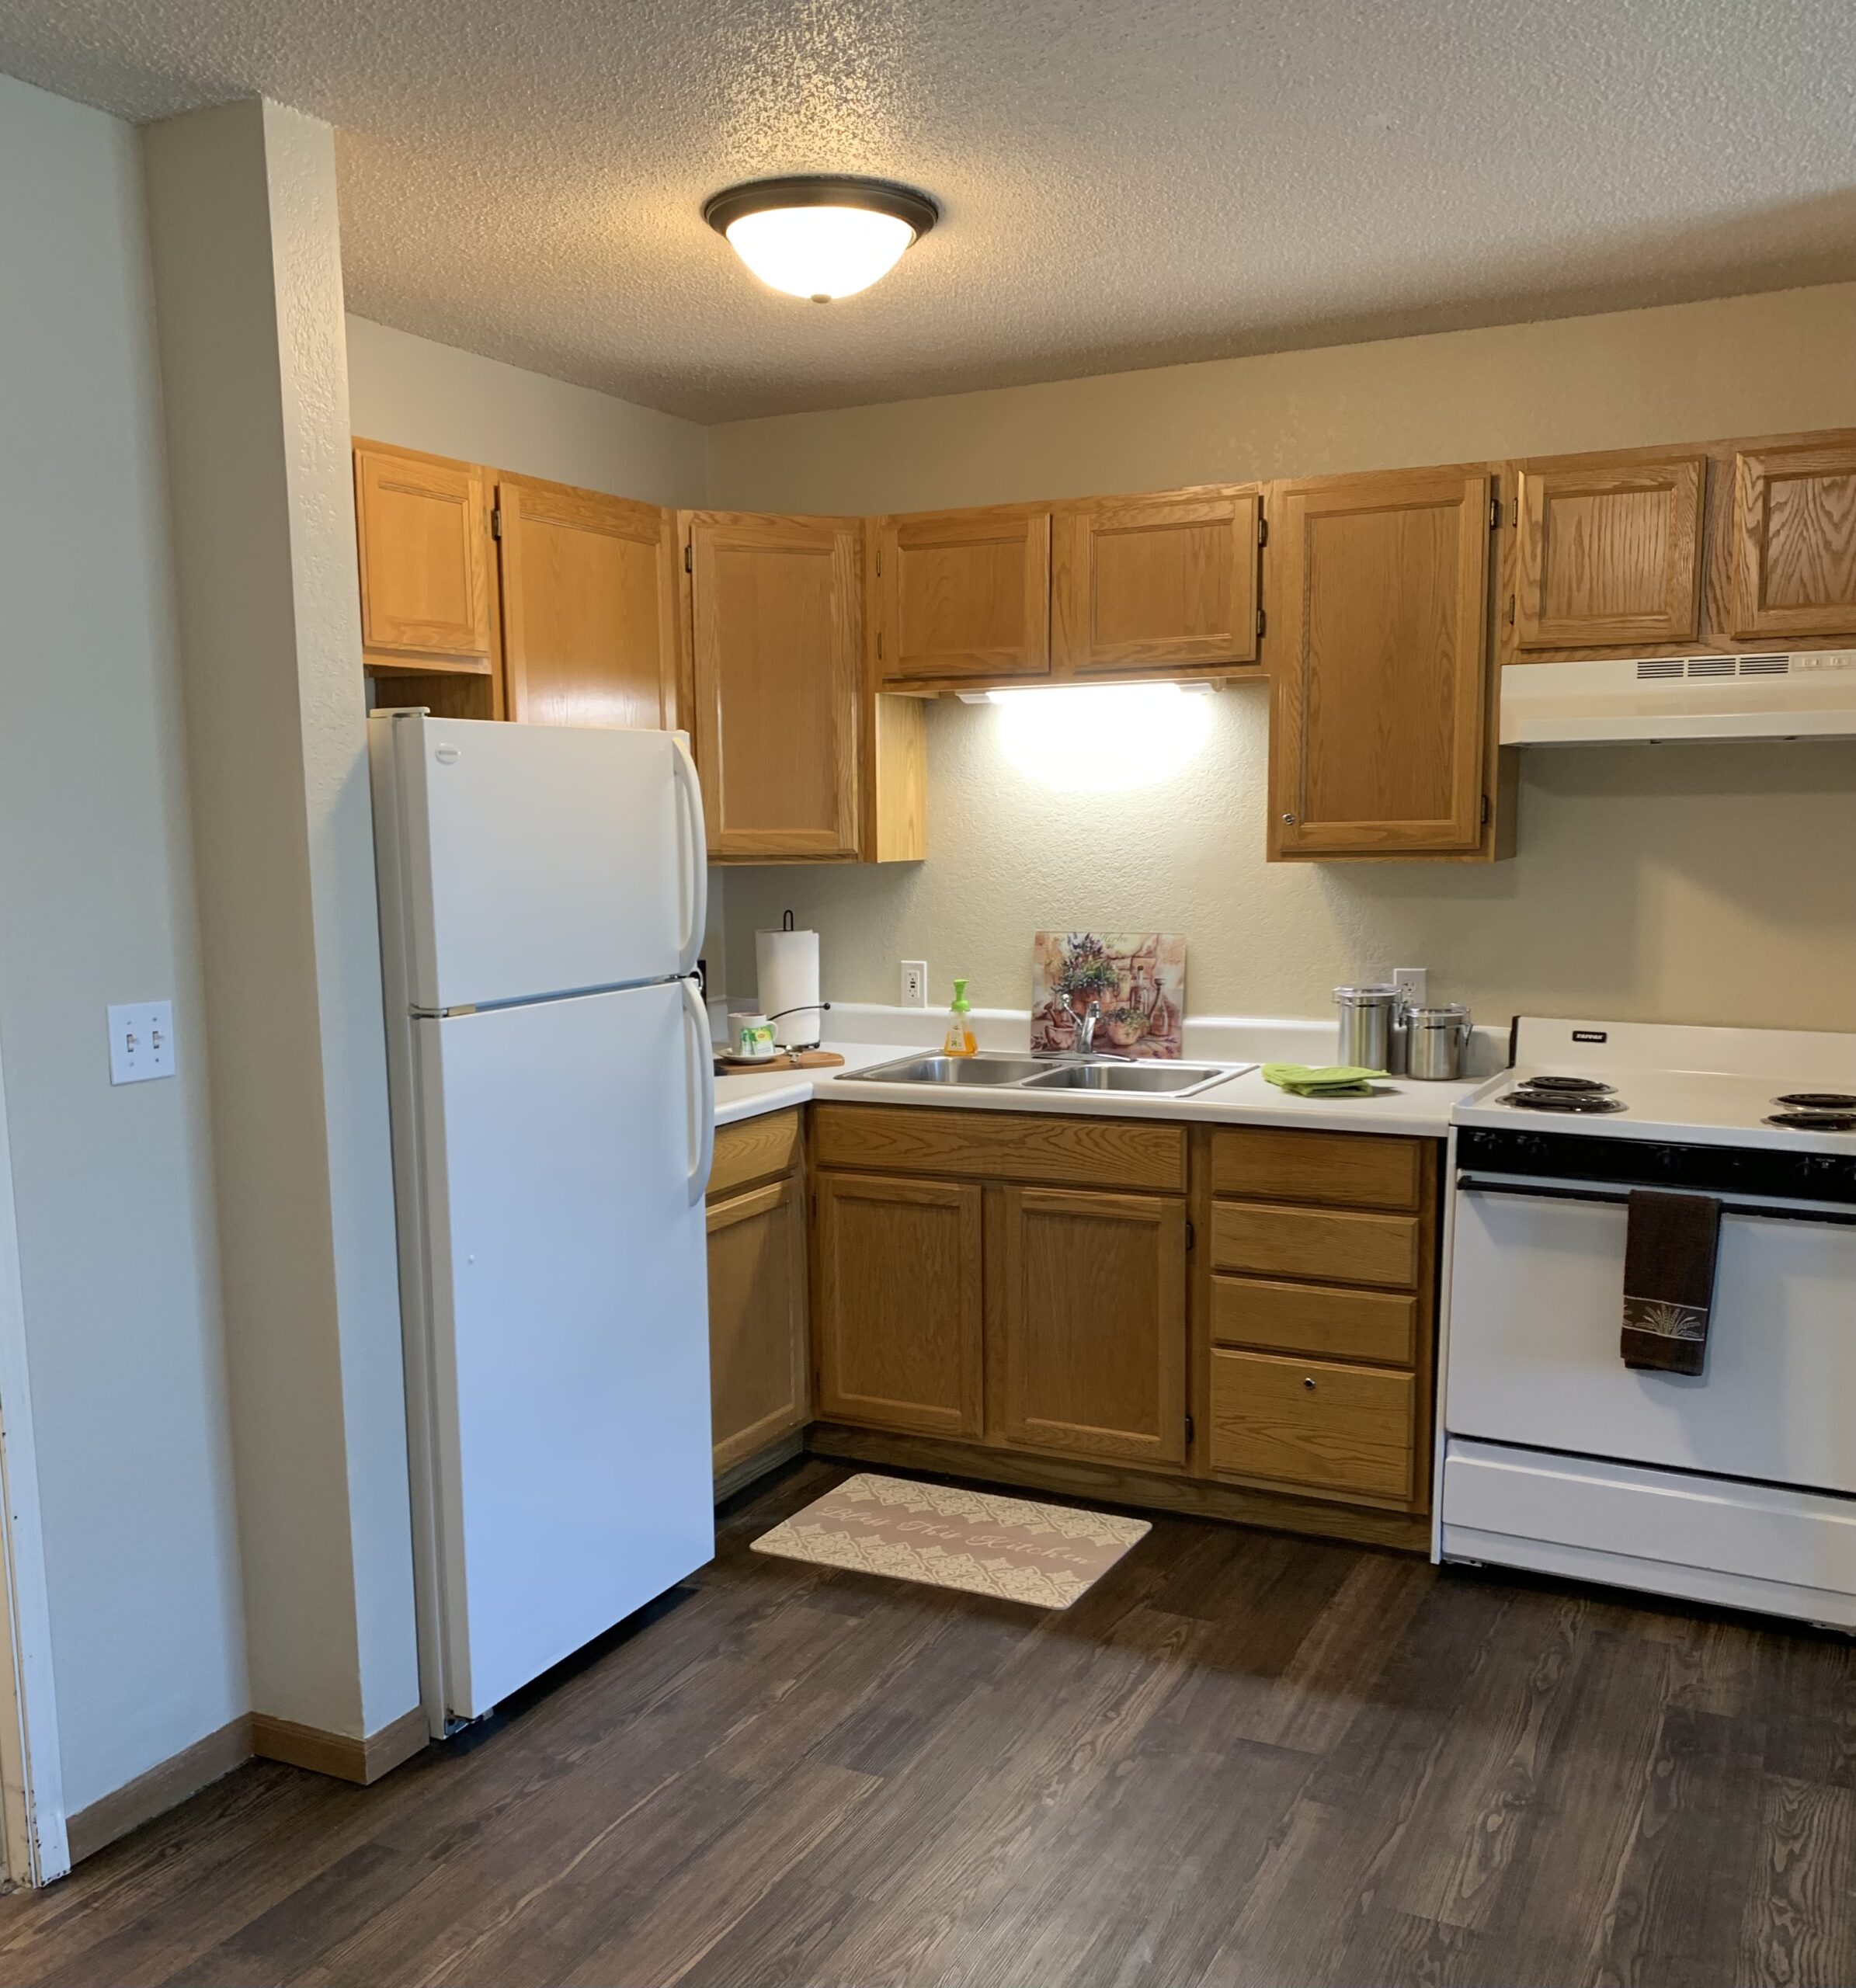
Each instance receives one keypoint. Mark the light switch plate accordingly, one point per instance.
(1411, 981)
(915, 983)
(141, 1041)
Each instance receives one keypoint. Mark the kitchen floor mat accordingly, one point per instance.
(1045, 1556)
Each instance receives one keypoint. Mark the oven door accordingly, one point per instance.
(1536, 1292)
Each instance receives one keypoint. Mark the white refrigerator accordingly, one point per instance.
(542, 892)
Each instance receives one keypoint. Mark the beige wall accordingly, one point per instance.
(1702, 884)
(112, 1186)
(246, 252)
(423, 395)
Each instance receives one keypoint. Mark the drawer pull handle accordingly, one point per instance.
(1307, 1381)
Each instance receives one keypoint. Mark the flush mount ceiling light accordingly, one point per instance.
(823, 235)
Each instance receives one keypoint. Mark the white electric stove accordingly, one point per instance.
(1737, 1485)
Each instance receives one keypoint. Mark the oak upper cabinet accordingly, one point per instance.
(588, 607)
(962, 595)
(1793, 540)
(1167, 584)
(898, 1312)
(1378, 650)
(1608, 550)
(422, 524)
(775, 651)
(1094, 1296)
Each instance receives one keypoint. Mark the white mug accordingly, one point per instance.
(753, 1037)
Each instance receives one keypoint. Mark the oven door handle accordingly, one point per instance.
(1467, 1184)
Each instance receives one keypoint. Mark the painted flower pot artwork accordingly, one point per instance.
(1138, 979)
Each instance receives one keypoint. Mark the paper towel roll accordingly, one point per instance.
(786, 973)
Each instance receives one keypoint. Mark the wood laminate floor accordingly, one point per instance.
(1241, 1759)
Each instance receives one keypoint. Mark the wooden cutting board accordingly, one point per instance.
(787, 1059)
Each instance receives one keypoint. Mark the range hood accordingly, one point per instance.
(1811, 694)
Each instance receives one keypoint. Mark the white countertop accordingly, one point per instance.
(1398, 1105)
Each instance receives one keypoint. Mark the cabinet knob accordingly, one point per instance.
(1307, 1381)
(1290, 819)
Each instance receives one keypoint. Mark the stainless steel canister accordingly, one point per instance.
(1368, 1022)
(1437, 1040)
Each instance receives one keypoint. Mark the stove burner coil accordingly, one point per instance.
(1577, 1102)
(1839, 1104)
(1813, 1121)
(1573, 1086)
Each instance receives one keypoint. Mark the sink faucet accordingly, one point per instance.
(1086, 1025)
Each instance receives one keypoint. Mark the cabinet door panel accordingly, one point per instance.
(1094, 1324)
(1156, 582)
(899, 1311)
(1609, 552)
(1378, 665)
(1795, 542)
(774, 608)
(423, 530)
(964, 594)
(758, 1351)
(588, 607)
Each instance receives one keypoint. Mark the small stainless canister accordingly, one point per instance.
(1369, 1016)
(1437, 1040)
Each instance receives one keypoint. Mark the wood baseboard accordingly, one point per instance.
(339, 1754)
(770, 1456)
(165, 1784)
(1114, 1486)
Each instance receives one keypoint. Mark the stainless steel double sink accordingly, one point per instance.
(995, 1072)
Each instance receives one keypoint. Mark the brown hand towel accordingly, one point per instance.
(1669, 1253)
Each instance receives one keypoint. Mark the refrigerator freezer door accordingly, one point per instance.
(536, 859)
(568, 1327)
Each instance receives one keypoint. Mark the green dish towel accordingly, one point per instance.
(1337, 1080)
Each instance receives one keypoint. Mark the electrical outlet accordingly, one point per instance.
(141, 1041)
(915, 983)
(1411, 981)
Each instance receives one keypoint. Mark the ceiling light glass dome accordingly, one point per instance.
(821, 236)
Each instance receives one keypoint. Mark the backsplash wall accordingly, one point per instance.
(1680, 883)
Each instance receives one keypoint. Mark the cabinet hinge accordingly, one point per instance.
(1191, 1236)
(879, 645)
(496, 521)
(1263, 531)
(1487, 810)
(1494, 514)
(1511, 610)
(1189, 1430)
(1261, 619)
(689, 559)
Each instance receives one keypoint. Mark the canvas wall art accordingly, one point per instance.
(1139, 977)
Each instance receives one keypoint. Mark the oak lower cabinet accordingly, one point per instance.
(1092, 1323)
(1004, 1278)
(1376, 645)
(900, 1317)
(1319, 1314)
(759, 1355)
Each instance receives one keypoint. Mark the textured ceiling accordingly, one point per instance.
(1123, 185)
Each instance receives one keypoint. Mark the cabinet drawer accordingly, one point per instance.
(754, 1149)
(1314, 1319)
(1001, 1146)
(1313, 1242)
(1335, 1170)
(1306, 1422)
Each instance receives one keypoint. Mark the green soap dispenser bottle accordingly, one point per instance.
(960, 1040)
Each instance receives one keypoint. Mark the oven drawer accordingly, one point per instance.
(1314, 1319)
(1332, 1247)
(1307, 1422)
(1537, 1285)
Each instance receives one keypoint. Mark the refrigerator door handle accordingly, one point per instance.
(690, 789)
(703, 1104)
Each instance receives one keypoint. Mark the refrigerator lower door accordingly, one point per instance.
(527, 859)
(565, 1340)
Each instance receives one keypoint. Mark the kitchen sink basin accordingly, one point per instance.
(1173, 1079)
(1039, 1073)
(981, 1070)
